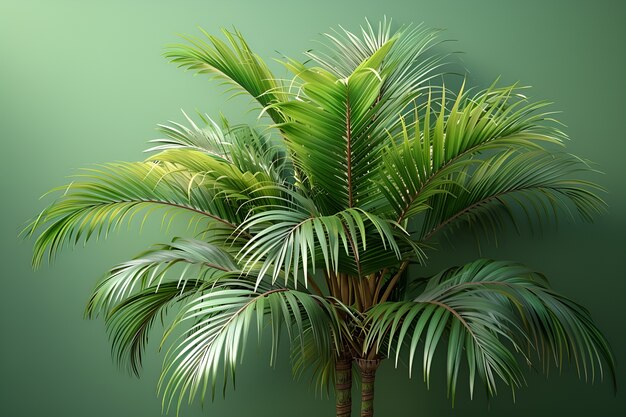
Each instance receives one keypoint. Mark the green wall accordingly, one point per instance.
(84, 82)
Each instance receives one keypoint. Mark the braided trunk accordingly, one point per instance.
(368, 376)
(343, 386)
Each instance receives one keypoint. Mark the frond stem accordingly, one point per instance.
(195, 210)
(393, 282)
(471, 207)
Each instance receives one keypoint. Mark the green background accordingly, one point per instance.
(84, 82)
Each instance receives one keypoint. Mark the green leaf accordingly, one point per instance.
(233, 61)
(513, 186)
(151, 269)
(102, 199)
(222, 317)
(491, 312)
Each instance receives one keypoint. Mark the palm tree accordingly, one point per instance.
(316, 224)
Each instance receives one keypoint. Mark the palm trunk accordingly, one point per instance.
(343, 386)
(368, 376)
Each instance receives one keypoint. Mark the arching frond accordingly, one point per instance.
(136, 293)
(223, 319)
(103, 199)
(439, 142)
(293, 240)
(232, 61)
(537, 185)
(199, 261)
(130, 321)
(242, 190)
(240, 145)
(489, 311)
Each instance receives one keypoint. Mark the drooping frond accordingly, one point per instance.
(232, 61)
(536, 184)
(222, 320)
(130, 321)
(102, 199)
(306, 358)
(295, 241)
(199, 261)
(243, 190)
(136, 293)
(487, 312)
(319, 366)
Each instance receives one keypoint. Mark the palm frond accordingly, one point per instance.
(104, 198)
(535, 185)
(306, 357)
(223, 318)
(242, 190)
(240, 145)
(406, 71)
(130, 321)
(200, 261)
(344, 51)
(293, 240)
(208, 137)
(489, 312)
(327, 128)
(438, 142)
(407, 68)
(232, 61)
